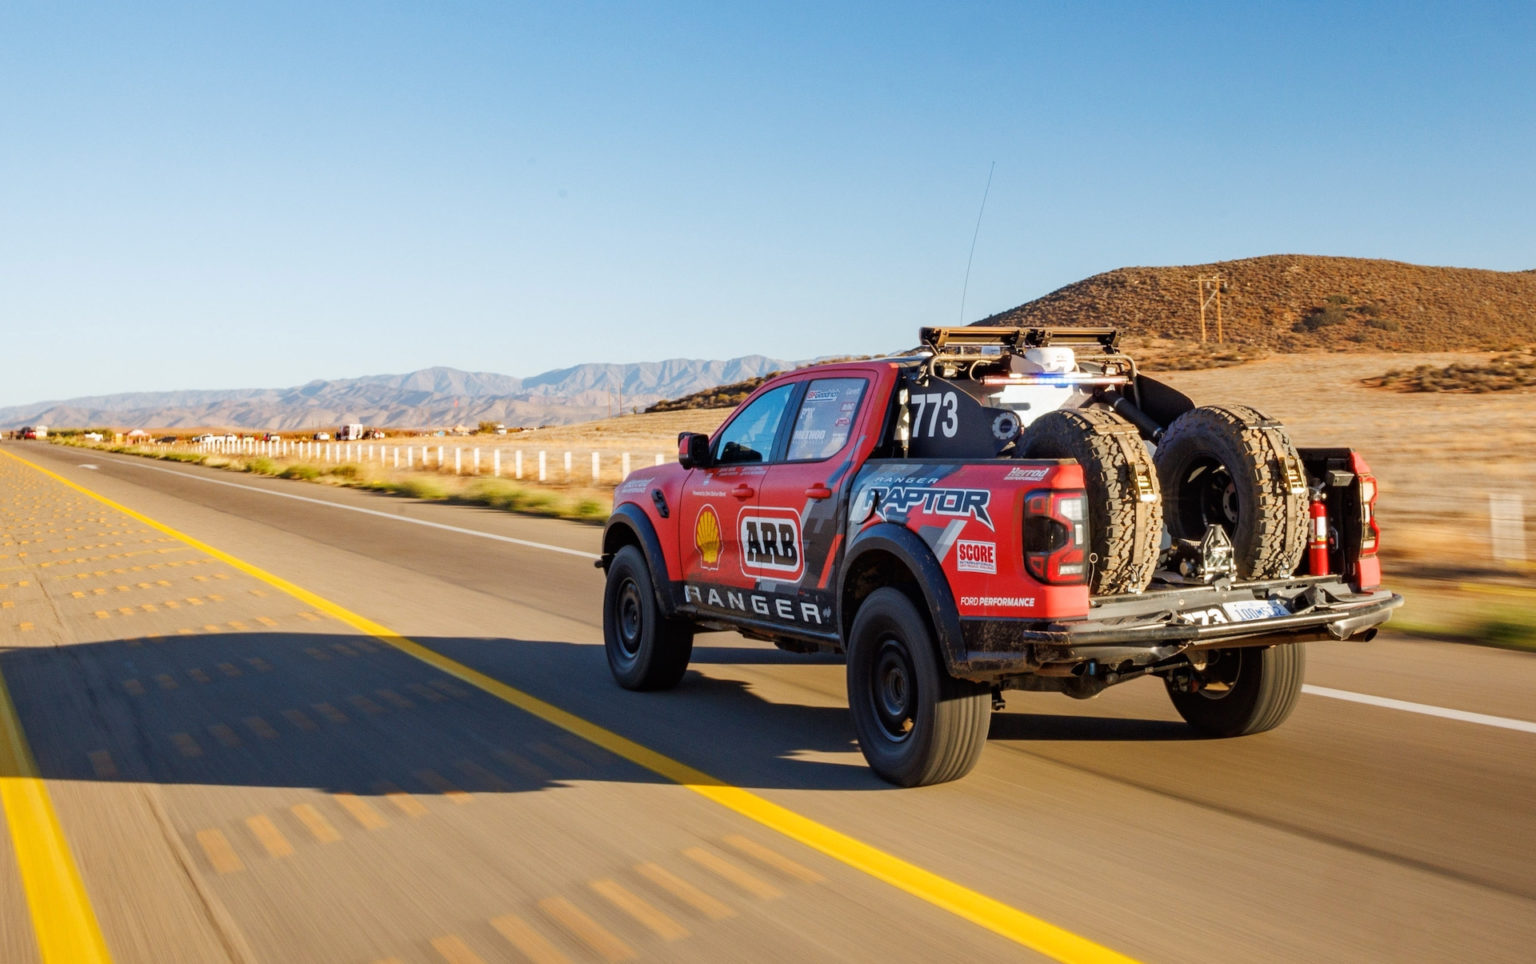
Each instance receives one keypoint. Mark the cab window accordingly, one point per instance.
(749, 437)
(825, 419)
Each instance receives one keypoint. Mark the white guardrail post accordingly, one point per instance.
(1506, 523)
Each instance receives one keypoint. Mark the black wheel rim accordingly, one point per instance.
(1220, 675)
(629, 618)
(1208, 496)
(893, 690)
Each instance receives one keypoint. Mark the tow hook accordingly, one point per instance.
(997, 699)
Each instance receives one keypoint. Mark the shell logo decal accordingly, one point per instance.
(706, 536)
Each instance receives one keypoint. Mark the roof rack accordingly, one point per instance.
(976, 339)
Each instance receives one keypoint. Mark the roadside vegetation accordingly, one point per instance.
(1508, 371)
(583, 504)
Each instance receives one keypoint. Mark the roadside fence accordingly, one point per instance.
(607, 468)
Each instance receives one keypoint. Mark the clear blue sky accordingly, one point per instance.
(223, 194)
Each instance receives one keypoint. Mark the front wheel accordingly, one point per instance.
(1242, 691)
(646, 651)
(916, 724)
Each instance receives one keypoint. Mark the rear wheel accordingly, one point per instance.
(1125, 522)
(1233, 467)
(916, 724)
(1243, 691)
(646, 651)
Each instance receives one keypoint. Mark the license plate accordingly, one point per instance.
(1241, 611)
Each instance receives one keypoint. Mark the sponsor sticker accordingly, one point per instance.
(902, 499)
(770, 543)
(706, 537)
(976, 556)
(1027, 474)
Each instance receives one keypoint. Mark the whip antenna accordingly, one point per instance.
(974, 235)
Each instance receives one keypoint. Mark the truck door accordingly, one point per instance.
(714, 501)
(791, 541)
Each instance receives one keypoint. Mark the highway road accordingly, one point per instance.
(260, 720)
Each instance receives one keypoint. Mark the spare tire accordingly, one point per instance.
(1124, 525)
(1232, 466)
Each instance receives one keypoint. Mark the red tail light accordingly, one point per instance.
(1056, 536)
(1370, 534)
(1367, 568)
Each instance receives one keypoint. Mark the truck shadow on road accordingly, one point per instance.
(350, 714)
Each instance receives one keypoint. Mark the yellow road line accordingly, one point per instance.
(642, 910)
(455, 951)
(528, 941)
(314, 821)
(584, 928)
(774, 859)
(687, 893)
(63, 922)
(271, 838)
(360, 811)
(987, 912)
(725, 870)
(218, 851)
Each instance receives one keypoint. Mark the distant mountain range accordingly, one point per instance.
(430, 398)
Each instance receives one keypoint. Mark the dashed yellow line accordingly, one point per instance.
(725, 870)
(693, 896)
(221, 856)
(772, 858)
(453, 950)
(642, 910)
(314, 821)
(990, 913)
(63, 922)
(529, 942)
(272, 839)
(403, 801)
(361, 811)
(581, 926)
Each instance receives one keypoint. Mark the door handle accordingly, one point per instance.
(818, 491)
(743, 491)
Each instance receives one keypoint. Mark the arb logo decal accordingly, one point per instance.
(770, 544)
(706, 536)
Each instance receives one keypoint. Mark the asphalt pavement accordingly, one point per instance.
(276, 721)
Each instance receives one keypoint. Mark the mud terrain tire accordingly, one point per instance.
(1233, 466)
(916, 724)
(1125, 522)
(1249, 690)
(646, 651)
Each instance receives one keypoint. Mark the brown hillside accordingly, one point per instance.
(1292, 303)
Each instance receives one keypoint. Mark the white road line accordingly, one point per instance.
(1483, 719)
(138, 464)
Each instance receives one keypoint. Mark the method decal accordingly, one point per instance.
(770, 544)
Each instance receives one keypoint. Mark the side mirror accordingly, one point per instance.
(693, 450)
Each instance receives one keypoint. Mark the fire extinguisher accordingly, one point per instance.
(1317, 533)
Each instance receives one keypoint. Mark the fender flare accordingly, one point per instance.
(630, 524)
(913, 553)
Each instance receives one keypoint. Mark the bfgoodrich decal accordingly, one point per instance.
(770, 544)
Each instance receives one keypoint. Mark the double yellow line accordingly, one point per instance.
(59, 889)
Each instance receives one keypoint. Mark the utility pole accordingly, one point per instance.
(1210, 293)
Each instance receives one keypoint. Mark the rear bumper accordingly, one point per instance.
(1146, 628)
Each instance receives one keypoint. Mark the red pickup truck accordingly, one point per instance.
(1003, 508)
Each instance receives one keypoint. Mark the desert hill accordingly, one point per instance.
(1287, 302)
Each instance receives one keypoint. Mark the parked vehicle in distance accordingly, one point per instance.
(349, 433)
(271, 437)
(322, 436)
(92, 436)
(984, 514)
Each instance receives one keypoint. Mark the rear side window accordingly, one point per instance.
(825, 419)
(749, 437)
